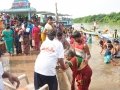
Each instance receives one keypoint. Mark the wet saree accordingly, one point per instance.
(80, 77)
(83, 78)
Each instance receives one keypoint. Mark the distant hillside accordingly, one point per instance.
(102, 18)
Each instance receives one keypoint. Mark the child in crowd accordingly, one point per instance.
(89, 40)
(116, 49)
(108, 55)
(101, 45)
(104, 44)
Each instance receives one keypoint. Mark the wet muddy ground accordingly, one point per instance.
(105, 76)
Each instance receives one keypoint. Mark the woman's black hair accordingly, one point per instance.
(101, 42)
(90, 35)
(70, 53)
(108, 41)
(110, 45)
(7, 27)
(116, 41)
(59, 33)
(49, 18)
(76, 34)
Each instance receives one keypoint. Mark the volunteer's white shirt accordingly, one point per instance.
(47, 59)
(1, 80)
(48, 27)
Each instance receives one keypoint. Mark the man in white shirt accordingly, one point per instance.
(94, 26)
(11, 78)
(51, 53)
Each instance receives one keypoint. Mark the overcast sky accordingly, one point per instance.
(77, 8)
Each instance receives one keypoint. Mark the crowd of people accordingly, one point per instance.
(55, 44)
(56, 48)
(24, 35)
(59, 48)
(77, 57)
(112, 50)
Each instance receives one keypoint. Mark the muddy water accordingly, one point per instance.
(105, 77)
(23, 64)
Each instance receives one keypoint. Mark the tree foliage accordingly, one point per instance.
(102, 18)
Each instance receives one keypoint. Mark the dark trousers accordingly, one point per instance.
(41, 80)
(18, 47)
(31, 43)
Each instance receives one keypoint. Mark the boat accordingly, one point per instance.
(102, 34)
(108, 36)
(64, 19)
(90, 32)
